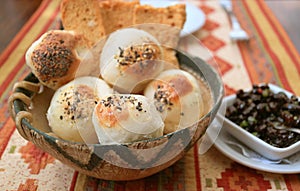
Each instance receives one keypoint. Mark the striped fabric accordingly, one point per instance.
(269, 56)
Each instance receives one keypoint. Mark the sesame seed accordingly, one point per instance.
(136, 54)
(162, 98)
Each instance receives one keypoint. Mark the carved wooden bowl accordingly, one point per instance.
(111, 162)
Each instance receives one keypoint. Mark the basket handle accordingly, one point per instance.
(17, 95)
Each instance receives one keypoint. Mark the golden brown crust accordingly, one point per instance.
(53, 58)
(83, 17)
(174, 15)
(170, 21)
(111, 15)
(117, 14)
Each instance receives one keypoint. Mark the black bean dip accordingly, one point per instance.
(260, 110)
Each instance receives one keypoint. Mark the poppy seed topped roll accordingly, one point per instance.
(130, 58)
(177, 96)
(71, 108)
(54, 58)
(124, 118)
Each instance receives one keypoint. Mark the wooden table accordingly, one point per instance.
(15, 13)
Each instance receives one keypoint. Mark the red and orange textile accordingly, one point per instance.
(269, 56)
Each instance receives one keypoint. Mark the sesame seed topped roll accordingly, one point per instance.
(130, 58)
(71, 108)
(177, 96)
(54, 59)
(124, 118)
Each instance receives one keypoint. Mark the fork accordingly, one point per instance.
(295, 130)
(236, 33)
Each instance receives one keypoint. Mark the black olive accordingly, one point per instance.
(260, 109)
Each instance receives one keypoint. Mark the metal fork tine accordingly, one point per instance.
(237, 33)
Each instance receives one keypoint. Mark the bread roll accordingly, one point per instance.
(130, 58)
(124, 118)
(97, 19)
(71, 108)
(177, 96)
(54, 57)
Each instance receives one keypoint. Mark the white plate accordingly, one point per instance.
(254, 142)
(233, 153)
(195, 18)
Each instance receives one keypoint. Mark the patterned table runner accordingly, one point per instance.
(269, 56)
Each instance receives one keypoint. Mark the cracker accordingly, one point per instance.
(117, 14)
(84, 17)
(163, 23)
